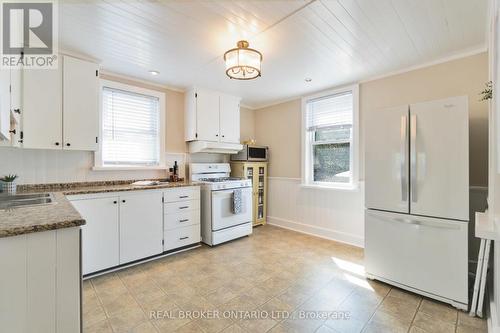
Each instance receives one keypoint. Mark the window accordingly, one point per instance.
(131, 127)
(330, 130)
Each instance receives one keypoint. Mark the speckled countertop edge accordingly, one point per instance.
(62, 214)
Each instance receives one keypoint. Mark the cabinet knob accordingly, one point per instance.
(115, 202)
(222, 135)
(123, 201)
(57, 143)
(18, 111)
(13, 131)
(68, 144)
(216, 134)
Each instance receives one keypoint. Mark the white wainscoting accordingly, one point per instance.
(336, 214)
(326, 213)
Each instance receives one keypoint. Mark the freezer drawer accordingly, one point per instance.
(426, 254)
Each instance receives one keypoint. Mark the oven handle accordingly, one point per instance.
(230, 191)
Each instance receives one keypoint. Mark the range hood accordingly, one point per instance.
(214, 147)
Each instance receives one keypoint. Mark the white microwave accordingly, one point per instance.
(251, 153)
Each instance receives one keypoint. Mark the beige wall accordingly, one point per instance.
(247, 124)
(279, 126)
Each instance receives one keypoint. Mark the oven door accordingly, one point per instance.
(222, 213)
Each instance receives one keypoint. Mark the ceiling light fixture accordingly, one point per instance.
(154, 73)
(243, 63)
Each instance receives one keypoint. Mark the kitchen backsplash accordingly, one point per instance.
(55, 166)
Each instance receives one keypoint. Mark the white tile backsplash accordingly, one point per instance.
(55, 166)
(36, 166)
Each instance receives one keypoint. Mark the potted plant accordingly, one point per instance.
(487, 93)
(9, 184)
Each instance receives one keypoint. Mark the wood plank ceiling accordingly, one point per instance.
(334, 42)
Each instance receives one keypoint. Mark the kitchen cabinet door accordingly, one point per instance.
(16, 76)
(100, 234)
(42, 108)
(4, 104)
(80, 104)
(207, 115)
(229, 119)
(141, 226)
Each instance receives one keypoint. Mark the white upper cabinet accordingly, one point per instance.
(60, 106)
(16, 76)
(42, 108)
(212, 116)
(207, 115)
(80, 104)
(229, 119)
(16, 84)
(4, 104)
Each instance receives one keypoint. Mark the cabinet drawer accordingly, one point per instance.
(180, 237)
(182, 194)
(181, 206)
(179, 220)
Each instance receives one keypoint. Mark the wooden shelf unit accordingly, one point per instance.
(257, 172)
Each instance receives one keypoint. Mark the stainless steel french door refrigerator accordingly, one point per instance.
(417, 198)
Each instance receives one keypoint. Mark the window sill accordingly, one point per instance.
(347, 188)
(127, 168)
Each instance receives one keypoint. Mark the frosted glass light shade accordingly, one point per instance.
(243, 63)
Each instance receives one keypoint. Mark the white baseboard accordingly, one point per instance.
(308, 229)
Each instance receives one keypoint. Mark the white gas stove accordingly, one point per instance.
(220, 221)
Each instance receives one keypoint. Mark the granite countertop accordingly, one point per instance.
(61, 214)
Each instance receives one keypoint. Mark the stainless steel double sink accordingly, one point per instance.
(25, 200)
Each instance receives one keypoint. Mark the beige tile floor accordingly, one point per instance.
(276, 280)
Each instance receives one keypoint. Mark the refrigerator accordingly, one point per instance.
(417, 198)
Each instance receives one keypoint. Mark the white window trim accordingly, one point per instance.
(306, 155)
(98, 164)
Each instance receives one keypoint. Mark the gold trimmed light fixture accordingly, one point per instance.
(242, 62)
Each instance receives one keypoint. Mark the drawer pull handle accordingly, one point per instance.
(183, 238)
(183, 196)
(183, 207)
(184, 220)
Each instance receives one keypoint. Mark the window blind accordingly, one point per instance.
(330, 111)
(130, 125)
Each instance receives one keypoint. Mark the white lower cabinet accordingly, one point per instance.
(100, 234)
(141, 225)
(40, 283)
(183, 236)
(123, 227)
(182, 217)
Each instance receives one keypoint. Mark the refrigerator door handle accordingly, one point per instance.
(404, 168)
(415, 222)
(413, 157)
(426, 224)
